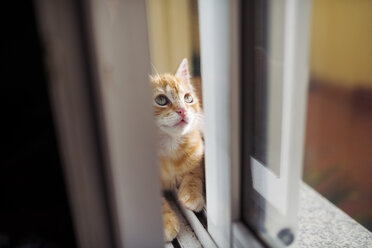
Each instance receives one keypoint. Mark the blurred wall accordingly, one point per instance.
(341, 42)
(171, 33)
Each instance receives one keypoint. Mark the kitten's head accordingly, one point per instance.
(176, 107)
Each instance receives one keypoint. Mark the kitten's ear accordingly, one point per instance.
(183, 71)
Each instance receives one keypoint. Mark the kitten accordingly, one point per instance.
(178, 116)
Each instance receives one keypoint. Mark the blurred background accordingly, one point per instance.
(338, 150)
(174, 35)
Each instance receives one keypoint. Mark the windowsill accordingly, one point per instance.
(322, 224)
(186, 236)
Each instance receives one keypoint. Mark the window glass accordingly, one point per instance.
(338, 150)
(268, 82)
(276, 39)
(260, 82)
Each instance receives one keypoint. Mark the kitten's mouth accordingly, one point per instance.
(181, 123)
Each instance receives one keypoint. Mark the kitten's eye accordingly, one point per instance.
(161, 100)
(188, 98)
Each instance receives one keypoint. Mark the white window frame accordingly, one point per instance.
(219, 32)
(110, 40)
(119, 35)
(98, 67)
(219, 42)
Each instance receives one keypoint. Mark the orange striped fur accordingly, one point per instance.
(181, 147)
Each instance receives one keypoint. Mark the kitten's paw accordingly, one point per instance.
(191, 199)
(171, 226)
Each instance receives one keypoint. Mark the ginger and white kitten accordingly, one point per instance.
(178, 116)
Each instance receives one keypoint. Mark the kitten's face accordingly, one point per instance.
(176, 107)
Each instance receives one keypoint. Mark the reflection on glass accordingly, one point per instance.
(338, 153)
(268, 82)
(272, 145)
(260, 84)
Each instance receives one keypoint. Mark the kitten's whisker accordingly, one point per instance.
(156, 71)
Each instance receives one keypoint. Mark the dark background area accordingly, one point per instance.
(34, 209)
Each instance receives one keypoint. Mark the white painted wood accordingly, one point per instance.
(275, 60)
(219, 68)
(169, 245)
(186, 237)
(120, 53)
(296, 78)
(269, 185)
(202, 233)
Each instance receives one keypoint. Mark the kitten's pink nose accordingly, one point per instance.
(181, 112)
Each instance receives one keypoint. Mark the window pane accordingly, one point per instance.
(276, 39)
(260, 82)
(268, 82)
(338, 158)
